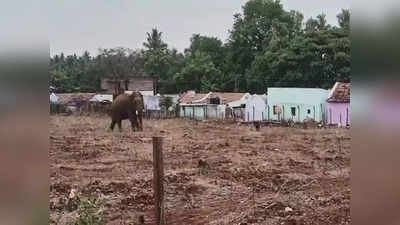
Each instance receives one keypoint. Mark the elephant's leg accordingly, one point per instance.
(120, 125)
(140, 121)
(134, 124)
(112, 125)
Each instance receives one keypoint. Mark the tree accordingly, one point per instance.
(262, 22)
(211, 46)
(199, 74)
(166, 102)
(344, 19)
(268, 46)
(156, 55)
(154, 41)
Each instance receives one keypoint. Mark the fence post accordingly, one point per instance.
(158, 177)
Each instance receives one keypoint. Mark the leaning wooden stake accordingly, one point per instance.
(158, 170)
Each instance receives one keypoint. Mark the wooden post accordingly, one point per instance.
(257, 125)
(158, 177)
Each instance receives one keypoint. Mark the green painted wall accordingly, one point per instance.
(301, 101)
(200, 112)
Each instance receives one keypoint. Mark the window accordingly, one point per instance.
(215, 101)
(293, 109)
(308, 111)
(277, 110)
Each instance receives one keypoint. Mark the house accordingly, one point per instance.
(174, 98)
(297, 104)
(212, 105)
(144, 93)
(145, 84)
(53, 98)
(75, 101)
(256, 108)
(338, 105)
(151, 103)
(239, 106)
(102, 98)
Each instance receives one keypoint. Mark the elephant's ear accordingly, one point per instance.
(132, 96)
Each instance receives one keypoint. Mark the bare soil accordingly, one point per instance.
(215, 172)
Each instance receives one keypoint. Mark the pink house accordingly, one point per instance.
(338, 105)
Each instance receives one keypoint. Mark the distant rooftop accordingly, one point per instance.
(340, 93)
(192, 97)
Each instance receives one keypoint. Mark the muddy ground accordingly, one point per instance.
(278, 175)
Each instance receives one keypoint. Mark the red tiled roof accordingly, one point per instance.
(189, 97)
(340, 93)
(225, 97)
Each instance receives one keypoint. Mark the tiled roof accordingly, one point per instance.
(74, 97)
(340, 93)
(225, 97)
(190, 97)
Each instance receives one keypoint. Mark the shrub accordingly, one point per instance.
(90, 212)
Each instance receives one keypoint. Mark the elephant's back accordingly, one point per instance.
(121, 106)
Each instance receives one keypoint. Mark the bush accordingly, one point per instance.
(90, 212)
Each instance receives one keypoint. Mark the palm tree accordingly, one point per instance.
(154, 41)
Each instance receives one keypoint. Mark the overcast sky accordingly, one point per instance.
(79, 25)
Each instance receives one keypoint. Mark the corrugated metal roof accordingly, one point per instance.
(102, 98)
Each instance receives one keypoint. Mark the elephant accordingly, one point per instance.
(138, 99)
(125, 107)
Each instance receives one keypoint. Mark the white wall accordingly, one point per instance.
(151, 102)
(256, 109)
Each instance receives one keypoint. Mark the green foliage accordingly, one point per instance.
(166, 102)
(268, 46)
(89, 213)
(199, 74)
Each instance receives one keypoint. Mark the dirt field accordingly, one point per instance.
(279, 175)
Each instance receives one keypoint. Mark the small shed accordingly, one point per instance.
(75, 101)
(212, 105)
(102, 98)
(144, 93)
(151, 102)
(297, 104)
(338, 105)
(256, 108)
(53, 98)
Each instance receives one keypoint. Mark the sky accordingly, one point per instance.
(78, 25)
